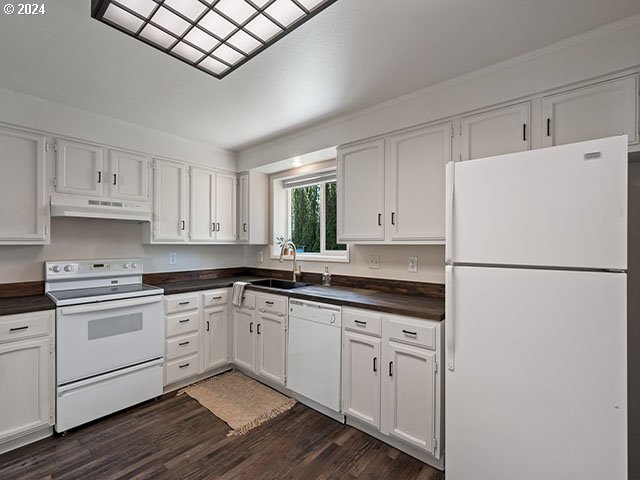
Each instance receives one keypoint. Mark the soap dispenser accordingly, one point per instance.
(326, 277)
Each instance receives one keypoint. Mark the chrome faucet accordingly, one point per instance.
(296, 268)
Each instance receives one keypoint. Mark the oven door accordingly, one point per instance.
(101, 337)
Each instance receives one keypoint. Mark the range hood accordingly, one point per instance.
(99, 207)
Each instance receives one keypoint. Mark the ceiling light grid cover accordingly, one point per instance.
(215, 36)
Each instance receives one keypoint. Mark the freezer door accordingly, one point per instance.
(538, 388)
(562, 206)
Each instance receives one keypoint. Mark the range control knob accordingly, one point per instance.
(134, 265)
(126, 265)
(56, 268)
(68, 268)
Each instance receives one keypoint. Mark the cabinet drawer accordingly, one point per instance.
(271, 304)
(182, 323)
(215, 297)
(181, 303)
(181, 346)
(25, 325)
(182, 368)
(249, 300)
(362, 321)
(414, 332)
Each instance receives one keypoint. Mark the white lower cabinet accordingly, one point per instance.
(216, 339)
(26, 375)
(182, 344)
(259, 336)
(392, 385)
(361, 377)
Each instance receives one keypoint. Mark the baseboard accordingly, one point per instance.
(403, 447)
(198, 378)
(25, 439)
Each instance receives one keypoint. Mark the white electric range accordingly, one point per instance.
(109, 338)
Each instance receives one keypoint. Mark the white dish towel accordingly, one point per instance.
(238, 293)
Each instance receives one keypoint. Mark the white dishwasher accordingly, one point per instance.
(314, 355)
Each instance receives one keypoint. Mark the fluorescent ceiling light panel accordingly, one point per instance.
(189, 8)
(142, 7)
(236, 10)
(284, 11)
(157, 36)
(263, 28)
(215, 36)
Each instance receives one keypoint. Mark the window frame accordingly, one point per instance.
(335, 256)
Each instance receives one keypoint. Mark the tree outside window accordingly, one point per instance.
(314, 218)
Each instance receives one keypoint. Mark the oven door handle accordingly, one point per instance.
(110, 305)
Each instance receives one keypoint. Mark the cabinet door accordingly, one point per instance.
(361, 378)
(169, 202)
(361, 192)
(202, 204)
(416, 182)
(598, 111)
(409, 395)
(506, 130)
(243, 207)
(225, 207)
(26, 380)
(23, 207)
(79, 169)
(270, 337)
(215, 333)
(244, 347)
(129, 176)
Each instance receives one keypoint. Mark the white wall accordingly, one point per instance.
(603, 51)
(84, 239)
(24, 110)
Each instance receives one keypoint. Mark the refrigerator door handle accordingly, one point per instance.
(448, 229)
(449, 316)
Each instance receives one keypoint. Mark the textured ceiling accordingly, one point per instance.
(354, 54)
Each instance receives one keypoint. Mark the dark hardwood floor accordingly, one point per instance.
(177, 438)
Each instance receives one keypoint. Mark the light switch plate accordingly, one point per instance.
(374, 262)
(173, 258)
(413, 264)
(260, 257)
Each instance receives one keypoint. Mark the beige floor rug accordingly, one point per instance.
(239, 400)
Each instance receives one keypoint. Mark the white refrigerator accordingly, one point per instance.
(536, 379)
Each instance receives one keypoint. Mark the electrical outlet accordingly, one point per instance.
(374, 262)
(173, 258)
(413, 264)
(260, 256)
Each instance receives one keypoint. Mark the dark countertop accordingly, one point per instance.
(33, 303)
(186, 286)
(419, 306)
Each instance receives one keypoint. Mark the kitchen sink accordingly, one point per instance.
(281, 284)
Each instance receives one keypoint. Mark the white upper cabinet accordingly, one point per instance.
(361, 192)
(213, 206)
(80, 168)
(129, 176)
(253, 208)
(169, 202)
(202, 204)
(23, 205)
(597, 111)
(225, 207)
(501, 131)
(416, 183)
